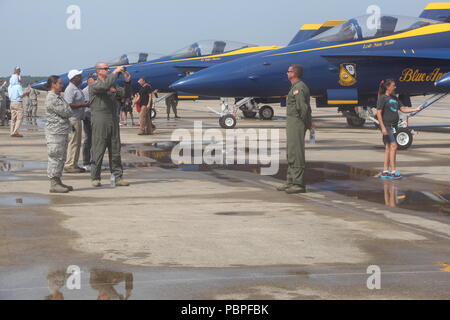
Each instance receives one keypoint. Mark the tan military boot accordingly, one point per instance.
(283, 187)
(96, 183)
(70, 188)
(55, 187)
(122, 183)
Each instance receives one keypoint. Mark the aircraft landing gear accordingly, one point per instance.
(354, 120)
(266, 113)
(249, 114)
(248, 106)
(404, 137)
(228, 121)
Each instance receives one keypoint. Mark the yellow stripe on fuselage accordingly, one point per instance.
(428, 30)
(342, 101)
(438, 6)
(311, 27)
(188, 97)
(231, 53)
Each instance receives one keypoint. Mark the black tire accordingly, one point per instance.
(249, 114)
(266, 113)
(228, 121)
(355, 122)
(404, 138)
(153, 113)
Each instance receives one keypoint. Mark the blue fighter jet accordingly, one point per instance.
(343, 67)
(161, 72)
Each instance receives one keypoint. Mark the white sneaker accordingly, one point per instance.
(87, 168)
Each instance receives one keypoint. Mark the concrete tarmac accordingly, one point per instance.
(189, 231)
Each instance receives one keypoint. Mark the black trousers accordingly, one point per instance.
(87, 142)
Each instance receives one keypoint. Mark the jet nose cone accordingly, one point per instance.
(40, 85)
(444, 82)
(196, 84)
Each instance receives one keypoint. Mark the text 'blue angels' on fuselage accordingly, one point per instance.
(344, 65)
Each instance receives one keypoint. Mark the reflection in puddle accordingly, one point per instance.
(340, 178)
(103, 281)
(21, 200)
(8, 166)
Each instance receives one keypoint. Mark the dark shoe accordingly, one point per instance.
(96, 183)
(55, 187)
(295, 189)
(177, 117)
(16, 135)
(74, 170)
(70, 188)
(283, 187)
(122, 183)
(168, 118)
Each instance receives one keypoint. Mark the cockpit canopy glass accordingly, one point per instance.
(209, 47)
(133, 57)
(368, 27)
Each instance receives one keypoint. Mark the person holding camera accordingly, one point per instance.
(105, 125)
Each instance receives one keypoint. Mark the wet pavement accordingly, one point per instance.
(353, 182)
(187, 231)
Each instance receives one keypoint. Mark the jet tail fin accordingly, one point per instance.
(307, 31)
(439, 11)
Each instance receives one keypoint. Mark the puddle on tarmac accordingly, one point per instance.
(8, 166)
(22, 200)
(343, 179)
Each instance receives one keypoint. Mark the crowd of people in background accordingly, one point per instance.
(80, 122)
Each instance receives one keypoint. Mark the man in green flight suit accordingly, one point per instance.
(298, 117)
(105, 125)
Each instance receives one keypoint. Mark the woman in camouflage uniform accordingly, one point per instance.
(57, 134)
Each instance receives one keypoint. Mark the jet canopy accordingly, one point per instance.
(209, 47)
(133, 57)
(367, 27)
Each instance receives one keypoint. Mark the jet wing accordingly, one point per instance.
(435, 54)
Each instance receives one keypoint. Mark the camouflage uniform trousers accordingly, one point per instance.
(57, 154)
(34, 106)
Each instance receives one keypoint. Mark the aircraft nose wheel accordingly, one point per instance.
(266, 113)
(228, 121)
(153, 113)
(404, 138)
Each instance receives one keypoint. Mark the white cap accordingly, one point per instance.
(74, 73)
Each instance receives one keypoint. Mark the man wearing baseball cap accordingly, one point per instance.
(77, 101)
(16, 95)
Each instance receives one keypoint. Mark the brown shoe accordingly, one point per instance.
(74, 170)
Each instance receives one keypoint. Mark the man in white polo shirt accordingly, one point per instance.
(75, 98)
(16, 95)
